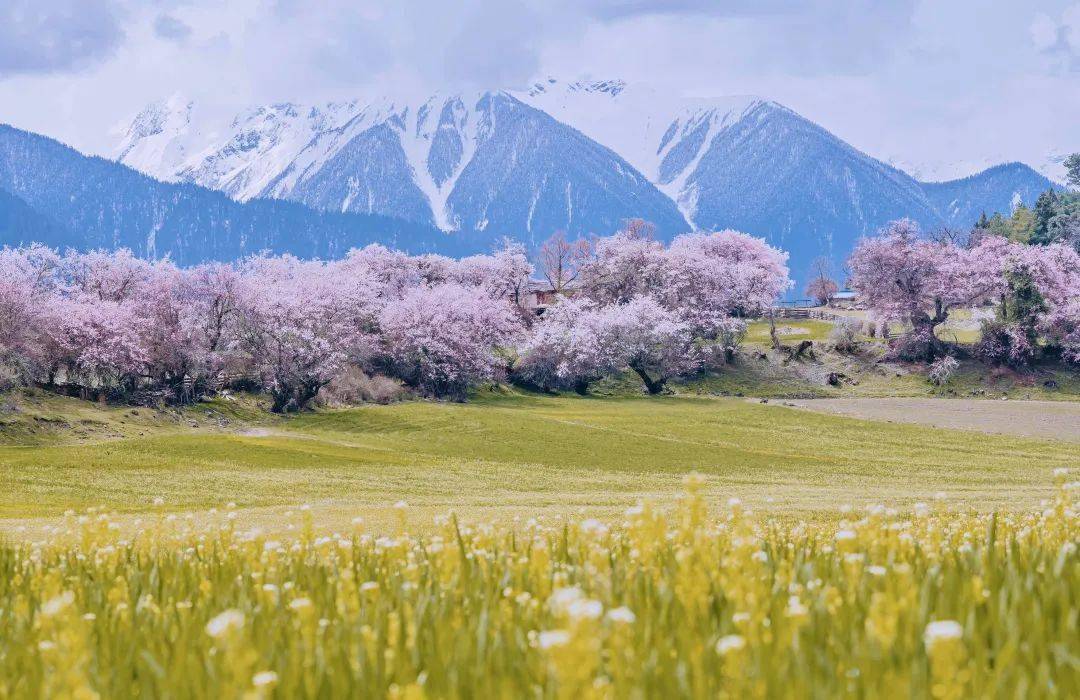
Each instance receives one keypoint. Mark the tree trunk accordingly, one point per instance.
(654, 386)
(806, 346)
(923, 326)
(772, 331)
(292, 399)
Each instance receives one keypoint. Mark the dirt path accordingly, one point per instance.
(1058, 420)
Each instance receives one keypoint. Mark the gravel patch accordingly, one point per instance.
(1058, 420)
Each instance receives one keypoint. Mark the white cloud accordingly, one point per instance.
(43, 37)
(1044, 32)
(167, 26)
(1070, 22)
(922, 81)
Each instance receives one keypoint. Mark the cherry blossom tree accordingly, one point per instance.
(705, 277)
(560, 260)
(213, 294)
(652, 341)
(709, 277)
(27, 281)
(568, 348)
(105, 275)
(96, 343)
(169, 330)
(821, 290)
(294, 328)
(640, 307)
(443, 339)
(579, 342)
(503, 275)
(387, 273)
(623, 266)
(1055, 272)
(902, 277)
(821, 287)
(110, 322)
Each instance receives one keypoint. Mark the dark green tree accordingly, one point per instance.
(1022, 303)
(1046, 207)
(998, 225)
(1072, 169)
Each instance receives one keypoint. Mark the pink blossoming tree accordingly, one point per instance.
(905, 278)
(445, 338)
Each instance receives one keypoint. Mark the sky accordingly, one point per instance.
(940, 88)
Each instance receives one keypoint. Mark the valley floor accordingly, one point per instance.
(515, 457)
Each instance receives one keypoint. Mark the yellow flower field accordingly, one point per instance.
(874, 603)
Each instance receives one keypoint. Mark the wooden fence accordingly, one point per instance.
(818, 314)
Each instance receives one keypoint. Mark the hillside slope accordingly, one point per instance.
(92, 202)
(998, 189)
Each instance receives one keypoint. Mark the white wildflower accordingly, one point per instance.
(55, 606)
(301, 604)
(553, 638)
(846, 535)
(729, 643)
(264, 679)
(942, 631)
(622, 615)
(225, 623)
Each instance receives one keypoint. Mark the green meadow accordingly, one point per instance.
(500, 457)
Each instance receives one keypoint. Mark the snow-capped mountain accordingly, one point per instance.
(751, 164)
(481, 162)
(577, 156)
(52, 194)
(1051, 165)
(663, 137)
(177, 141)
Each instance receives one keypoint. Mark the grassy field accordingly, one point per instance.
(918, 603)
(501, 457)
(218, 551)
(789, 330)
(760, 372)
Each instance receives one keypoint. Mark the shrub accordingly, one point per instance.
(918, 345)
(844, 336)
(942, 369)
(729, 336)
(1004, 344)
(9, 378)
(354, 386)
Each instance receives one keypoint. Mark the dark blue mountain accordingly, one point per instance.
(20, 223)
(60, 197)
(998, 189)
(775, 174)
(532, 175)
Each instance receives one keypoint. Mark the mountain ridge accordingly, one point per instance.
(580, 157)
(93, 202)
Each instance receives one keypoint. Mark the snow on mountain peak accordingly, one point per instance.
(439, 140)
(662, 135)
(410, 157)
(152, 129)
(269, 150)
